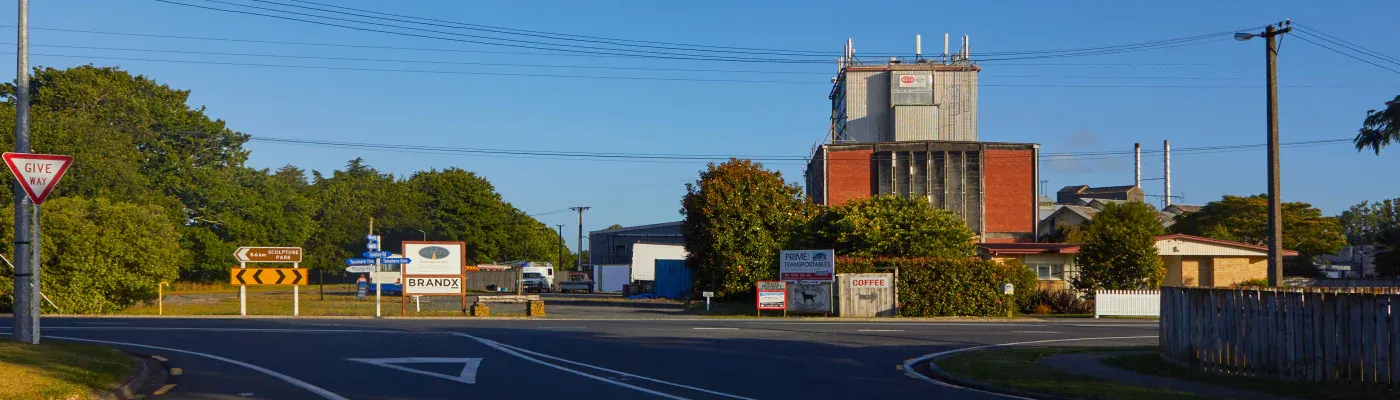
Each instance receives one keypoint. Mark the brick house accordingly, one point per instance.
(1189, 260)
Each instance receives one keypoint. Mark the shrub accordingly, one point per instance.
(948, 286)
(1042, 309)
(1058, 302)
(1251, 283)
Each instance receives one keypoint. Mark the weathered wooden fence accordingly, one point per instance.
(1343, 282)
(479, 280)
(1347, 335)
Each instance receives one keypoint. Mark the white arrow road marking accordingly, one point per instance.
(468, 374)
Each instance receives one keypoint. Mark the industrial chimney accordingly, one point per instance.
(1137, 165)
(1166, 173)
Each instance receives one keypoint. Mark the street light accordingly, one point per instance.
(425, 234)
(1275, 271)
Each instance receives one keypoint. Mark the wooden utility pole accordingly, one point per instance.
(580, 210)
(1275, 203)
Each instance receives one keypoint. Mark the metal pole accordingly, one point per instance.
(561, 245)
(1275, 204)
(26, 327)
(1166, 173)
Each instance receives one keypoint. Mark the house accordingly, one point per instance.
(1065, 215)
(1072, 194)
(1189, 260)
(1360, 260)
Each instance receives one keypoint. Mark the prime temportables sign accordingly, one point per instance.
(807, 265)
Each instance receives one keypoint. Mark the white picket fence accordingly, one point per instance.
(1127, 302)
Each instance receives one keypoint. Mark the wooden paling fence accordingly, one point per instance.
(1349, 335)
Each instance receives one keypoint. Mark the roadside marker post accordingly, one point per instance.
(160, 298)
(248, 254)
(708, 295)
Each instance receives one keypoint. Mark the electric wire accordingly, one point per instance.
(1330, 48)
(1342, 42)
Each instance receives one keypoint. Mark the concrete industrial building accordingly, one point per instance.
(614, 246)
(909, 127)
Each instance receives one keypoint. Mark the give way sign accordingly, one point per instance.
(37, 173)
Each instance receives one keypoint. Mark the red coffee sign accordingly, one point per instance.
(870, 283)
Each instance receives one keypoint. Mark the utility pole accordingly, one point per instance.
(26, 279)
(580, 210)
(561, 245)
(1275, 203)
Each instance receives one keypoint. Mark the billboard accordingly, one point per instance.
(772, 295)
(807, 265)
(434, 258)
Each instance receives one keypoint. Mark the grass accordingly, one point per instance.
(1017, 369)
(59, 370)
(1152, 364)
(337, 304)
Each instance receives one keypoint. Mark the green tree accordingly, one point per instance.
(1245, 219)
(1380, 128)
(460, 205)
(98, 256)
(1119, 250)
(892, 226)
(613, 226)
(344, 204)
(1363, 222)
(239, 207)
(738, 215)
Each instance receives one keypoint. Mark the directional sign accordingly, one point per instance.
(268, 254)
(268, 276)
(37, 173)
(373, 242)
(468, 374)
(360, 269)
(395, 260)
(376, 254)
(359, 261)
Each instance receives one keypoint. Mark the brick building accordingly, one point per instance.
(909, 127)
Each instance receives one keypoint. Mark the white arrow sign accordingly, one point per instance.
(360, 269)
(468, 374)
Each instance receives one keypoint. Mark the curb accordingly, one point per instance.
(127, 390)
(938, 374)
(551, 318)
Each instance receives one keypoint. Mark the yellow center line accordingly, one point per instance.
(164, 389)
(159, 358)
(177, 371)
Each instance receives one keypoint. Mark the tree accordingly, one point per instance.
(1380, 128)
(892, 226)
(1119, 250)
(97, 255)
(1388, 258)
(614, 226)
(1245, 219)
(344, 204)
(738, 215)
(460, 205)
(1363, 222)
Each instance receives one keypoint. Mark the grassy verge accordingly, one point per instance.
(1017, 369)
(59, 370)
(1152, 364)
(311, 305)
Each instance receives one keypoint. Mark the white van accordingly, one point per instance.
(537, 276)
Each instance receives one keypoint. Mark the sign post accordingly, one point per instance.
(811, 276)
(708, 295)
(432, 269)
(37, 175)
(242, 277)
(373, 245)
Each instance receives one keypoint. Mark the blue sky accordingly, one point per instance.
(787, 119)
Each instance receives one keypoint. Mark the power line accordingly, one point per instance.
(1304, 38)
(530, 44)
(1344, 43)
(547, 35)
(1130, 46)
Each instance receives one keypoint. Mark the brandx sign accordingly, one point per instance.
(807, 265)
(37, 173)
(448, 285)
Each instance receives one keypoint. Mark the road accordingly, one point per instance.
(308, 358)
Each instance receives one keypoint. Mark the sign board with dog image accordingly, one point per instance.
(772, 295)
(807, 265)
(809, 297)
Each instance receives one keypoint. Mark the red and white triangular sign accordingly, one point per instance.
(37, 173)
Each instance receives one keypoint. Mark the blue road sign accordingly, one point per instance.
(376, 254)
(373, 242)
(359, 261)
(394, 260)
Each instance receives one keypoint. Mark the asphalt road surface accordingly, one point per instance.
(307, 358)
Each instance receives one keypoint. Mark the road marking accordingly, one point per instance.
(176, 372)
(294, 381)
(561, 327)
(161, 359)
(715, 329)
(469, 366)
(99, 323)
(879, 330)
(519, 352)
(909, 364)
(137, 328)
(164, 389)
(1050, 332)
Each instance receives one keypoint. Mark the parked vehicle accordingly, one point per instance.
(535, 282)
(578, 281)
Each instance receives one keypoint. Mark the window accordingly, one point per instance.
(1048, 272)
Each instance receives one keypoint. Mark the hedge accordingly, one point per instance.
(949, 287)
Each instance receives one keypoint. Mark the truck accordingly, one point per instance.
(537, 277)
(578, 281)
